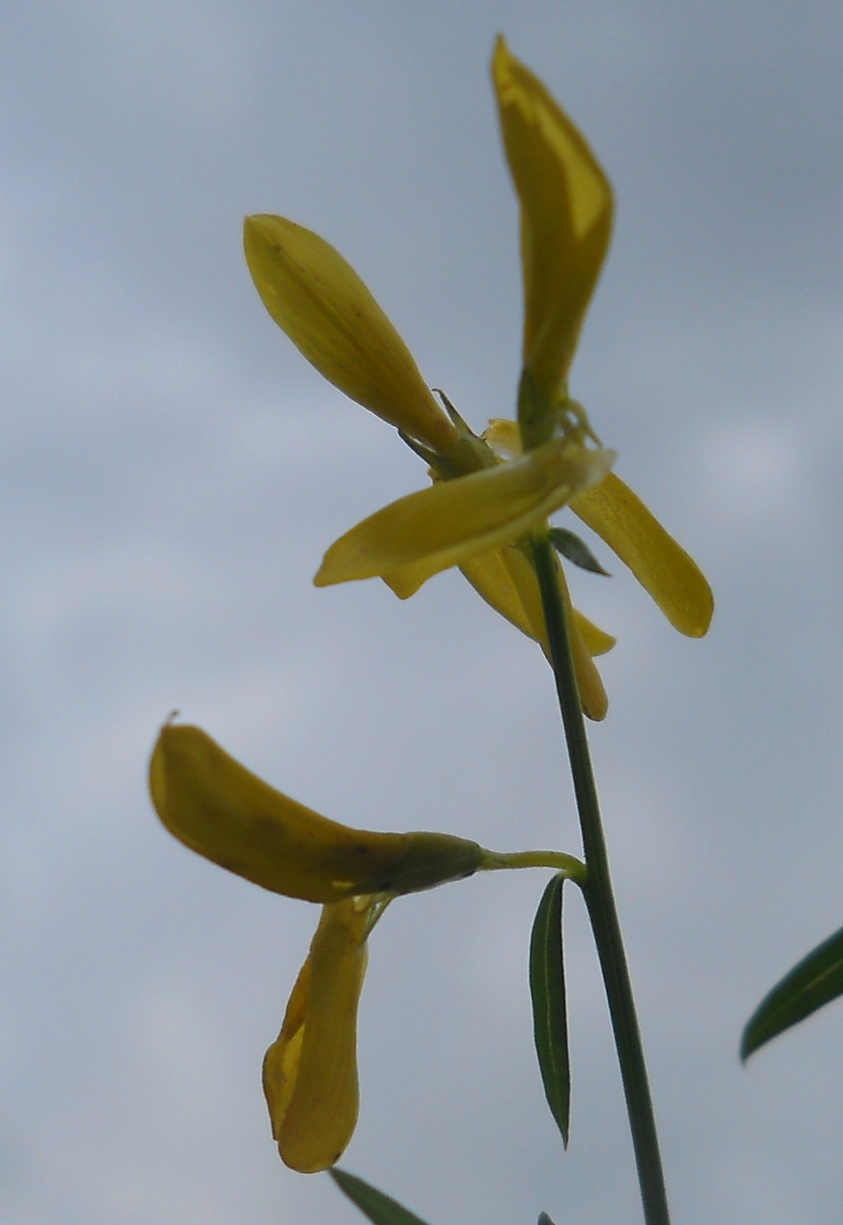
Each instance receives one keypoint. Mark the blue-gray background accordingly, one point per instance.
(172, 470)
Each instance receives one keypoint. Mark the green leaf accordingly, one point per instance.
(547, 988)
(815, 981)
(576, 550)
(379, 1208)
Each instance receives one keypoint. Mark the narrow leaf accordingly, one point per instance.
(576, 550)
(814, 981)
(379, 1208)
(547, 988)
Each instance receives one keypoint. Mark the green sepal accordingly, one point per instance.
(379, 1208)
(535, 417)
(576, 550)
(547, 989)
(815, 980)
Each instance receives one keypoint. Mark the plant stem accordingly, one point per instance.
(600, 900)
(573, 868)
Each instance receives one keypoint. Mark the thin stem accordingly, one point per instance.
(600, 900)
(573, 868)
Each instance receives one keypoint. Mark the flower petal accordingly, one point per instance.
(566, 218)
(593, 698)
(425, 532)
(506, 581)
(503, 436)
(662, 566)
(597, 641)
(318, 299)
(310, 1071)
(220, 809)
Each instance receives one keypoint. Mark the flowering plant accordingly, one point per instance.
(487, 512)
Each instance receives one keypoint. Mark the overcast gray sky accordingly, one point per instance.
(172, 471)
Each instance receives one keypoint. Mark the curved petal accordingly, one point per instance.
(566, 218)
(318, 299)
(662, 566)
(443, 526)
(506, 581)
(310, 1071)
(597, 641)
(220, 809)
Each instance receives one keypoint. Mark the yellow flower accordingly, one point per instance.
(482, 508)
(221, 810)
(480, 504)
(327, 311)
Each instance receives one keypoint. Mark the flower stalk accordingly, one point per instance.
(600, 899)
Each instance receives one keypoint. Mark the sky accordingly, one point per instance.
(172, 472)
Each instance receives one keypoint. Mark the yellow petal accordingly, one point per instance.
(507, 581)
(503, 436)
(425, 532)
(220, 809)
(597, 641)
(662, 567)
(328, 313)
(593, 697)
(310, 1071)
(566, 218)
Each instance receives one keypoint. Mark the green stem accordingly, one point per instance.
(573, 868)
(600, 900)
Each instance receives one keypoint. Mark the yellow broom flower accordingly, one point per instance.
(482, 509)
(222, 811)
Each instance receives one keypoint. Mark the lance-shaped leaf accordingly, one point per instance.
(329, 314)
(550, 1018)
(379, 1208)
(813, 982)
(566, 219)
(414, 538)
(662, 567)
(569, 544)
